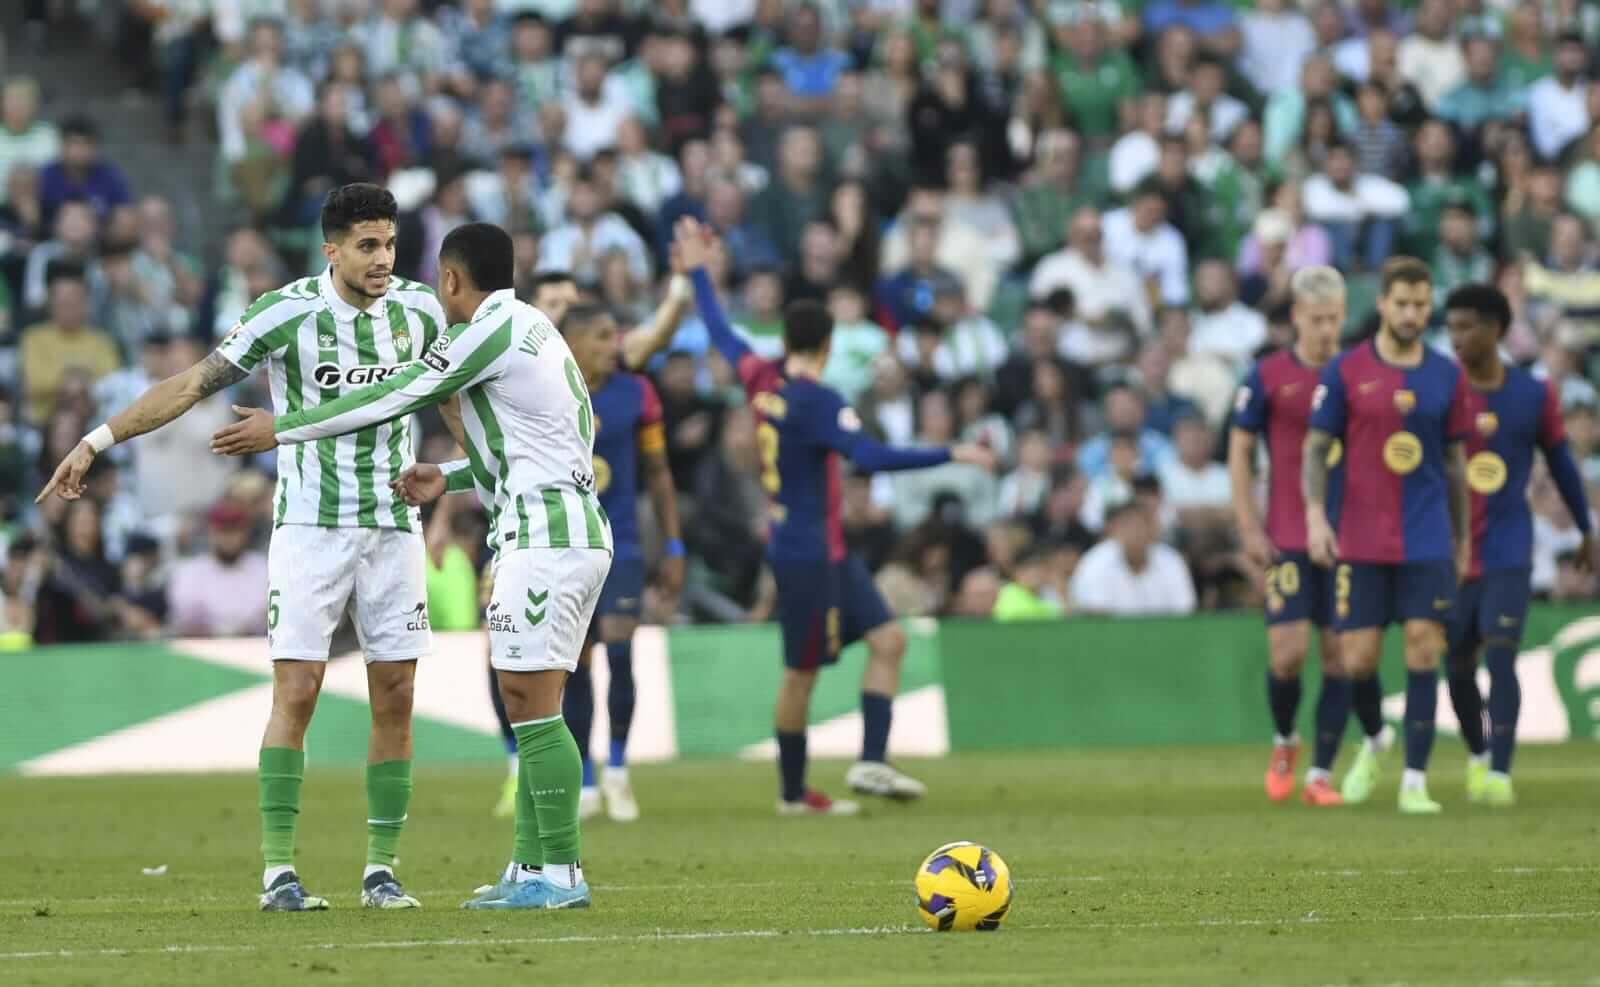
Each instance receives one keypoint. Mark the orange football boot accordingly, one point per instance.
(1320, 793)
(1280, 771)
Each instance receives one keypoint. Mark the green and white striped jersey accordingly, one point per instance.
(526, 410)
(317, 346)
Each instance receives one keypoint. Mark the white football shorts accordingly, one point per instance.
(316, 574)
(541, 605)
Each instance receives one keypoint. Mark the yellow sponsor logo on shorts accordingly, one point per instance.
(1402, 453)
(1486, 473)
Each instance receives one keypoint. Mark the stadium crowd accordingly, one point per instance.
(1062, 228)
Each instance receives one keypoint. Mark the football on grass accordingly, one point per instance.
(963, 887)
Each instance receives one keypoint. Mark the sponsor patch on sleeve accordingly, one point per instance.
(436, 360)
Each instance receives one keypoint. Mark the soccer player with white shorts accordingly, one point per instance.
(529, 434)
(342, 539)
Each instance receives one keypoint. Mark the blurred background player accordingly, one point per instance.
(629, 446)
(1275, 401)
(340, 541)
(1512, 413)
(528, 430)
(1400, 410)
(554, 294)
(826, 597)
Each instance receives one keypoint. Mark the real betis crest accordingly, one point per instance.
(402, 342)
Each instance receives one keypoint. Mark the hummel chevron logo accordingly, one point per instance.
(536, 617)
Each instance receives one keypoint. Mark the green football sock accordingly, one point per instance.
(555, 773)
(525, 848)
(281, 771)
(388, 798)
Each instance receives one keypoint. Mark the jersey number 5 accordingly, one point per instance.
(581, 393)
(767, 442)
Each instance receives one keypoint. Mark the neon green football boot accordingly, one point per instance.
(1477, 779)
(1362, 777)
(1497, 791)
(507, 806)
(1415, 802)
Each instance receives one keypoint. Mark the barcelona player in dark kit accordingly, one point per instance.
(826, 598)
(1512, 414)
(1400, 411)
(1275, 402)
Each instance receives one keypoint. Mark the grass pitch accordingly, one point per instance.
(1155, 867)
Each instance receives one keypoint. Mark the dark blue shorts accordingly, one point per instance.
(824, 606)
(1373, 594)
(1299, 589)
(621, 596)
(1492, 607)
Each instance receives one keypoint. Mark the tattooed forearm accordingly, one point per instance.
(175, 395)
(1314, 468)
(217, 372)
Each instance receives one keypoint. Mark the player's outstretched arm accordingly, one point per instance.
(695, 245)
(157, 406)
(473, 355)
(645, 342)
(1569, 483)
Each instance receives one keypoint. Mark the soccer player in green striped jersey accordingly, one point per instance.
(529, 437)
(342, 538)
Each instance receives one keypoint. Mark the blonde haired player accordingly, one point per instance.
(1275, 403)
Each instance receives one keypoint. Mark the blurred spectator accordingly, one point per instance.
(857, 342)
(51, 350)
(1124, 413)
(810, 70)
(1207, 99)
(1436, 185)
(1131, 573)
(264, 99)
(595, 108)
(1022, 491)
(915, 492)
(1361, 213)
(968, 342)
(397, 37)
(692, 420)
(729, 529)
(1221, 324)
(1139, 237)
(979, 424)
(327, 154)
(797, 193)
(1460, 258)
(81, 174)
(968, 204)
(1566, 286)
(817, 268)
(1531, 226)
(25, 140)
(1558, 104)
(498, 122)
(1137, 152)
(1486, 94)
(1380, 144)
(589, 234)
(1430, 58)
(644, 177)
(1097, 284)
(1021, 598)
(1163, 408)
(1275, 40)
(907, 295)
(850, 208)
(959, 247)
(1214, 24)
(77, 600)
(1283, 121)
(868, 527)
(888, 409)
(222, 593)
(1050, 194)
(1193, 482)
(74, 243)
(686, 91)
(1052, 406)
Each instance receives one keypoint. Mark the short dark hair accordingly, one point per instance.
(807, 326)
(64, 269)
(80, 126)
(581, 316)
(1483, 300)
(358, 202)
(485, 252)
(1402, 270)
(545, 279)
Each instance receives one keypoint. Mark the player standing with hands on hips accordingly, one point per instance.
(529, 433)
(1402, 413)
(1512, 413)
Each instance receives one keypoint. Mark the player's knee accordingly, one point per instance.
(1287, 662)
(391, 697)
(887, 643)
(295, 696)
(1424, 643)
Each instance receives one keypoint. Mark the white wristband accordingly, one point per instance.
(100, 439)
(680, 289)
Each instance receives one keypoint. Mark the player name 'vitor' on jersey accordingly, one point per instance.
(1394, 423)
(316, 347)
(528, 420)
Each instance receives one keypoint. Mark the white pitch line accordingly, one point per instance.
(662, 935)
(178, 897)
